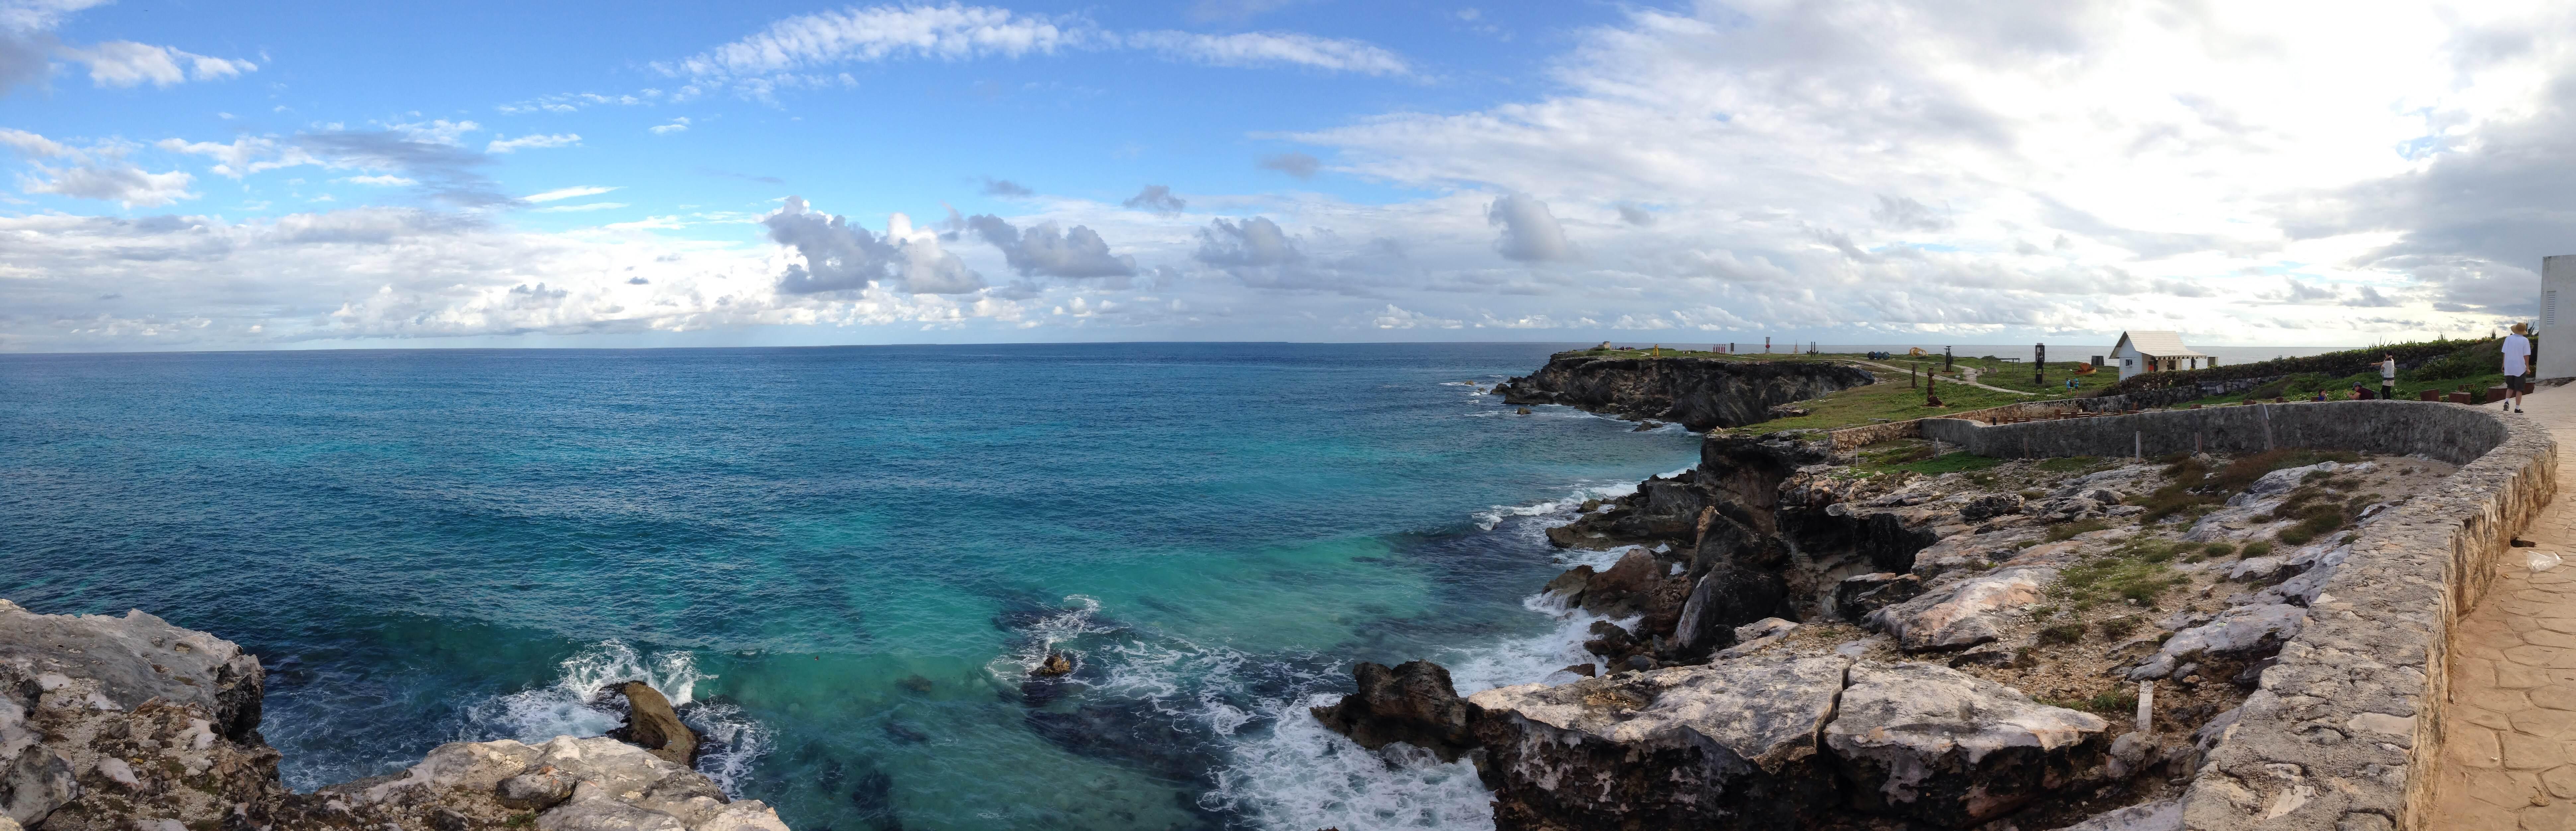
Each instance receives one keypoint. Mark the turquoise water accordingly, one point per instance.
(842, 561)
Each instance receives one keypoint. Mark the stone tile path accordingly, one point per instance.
(2512, 744)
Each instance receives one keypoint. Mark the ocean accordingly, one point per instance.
(841, 562)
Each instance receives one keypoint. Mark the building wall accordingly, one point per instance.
(2557, 316)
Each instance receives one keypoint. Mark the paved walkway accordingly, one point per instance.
(2512, 738)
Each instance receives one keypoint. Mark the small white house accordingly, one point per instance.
(2156, 352)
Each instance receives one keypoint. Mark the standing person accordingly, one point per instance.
(2388, 377)
(2517, 360)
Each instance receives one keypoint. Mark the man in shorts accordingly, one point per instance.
(2517, 360)
(2388, 376)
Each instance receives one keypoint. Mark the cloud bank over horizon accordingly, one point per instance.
(1862, 172)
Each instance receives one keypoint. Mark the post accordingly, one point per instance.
(2147, 706)
(1948, 361)
(1909, 377)
(1766, 344)
(2039, 365)
(2138, 445)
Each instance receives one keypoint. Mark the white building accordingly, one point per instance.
(2155, 352)
(2557, 333)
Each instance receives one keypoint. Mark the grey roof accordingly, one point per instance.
(2157, 344)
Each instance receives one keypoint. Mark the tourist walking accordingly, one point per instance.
(2388, 377)
(2517, 360)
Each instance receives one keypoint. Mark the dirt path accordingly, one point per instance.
(2512, 748)
(1970, 371)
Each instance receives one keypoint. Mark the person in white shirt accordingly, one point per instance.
(2388, 378)
(2517, 359)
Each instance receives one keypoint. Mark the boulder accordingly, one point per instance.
(1570, 585)
(1965, 615)
(1054, 665)
(1626, 587)
(2162, 815)
(1857, 596)
(1990, 506)
(1936, 745)
(1721, 746)
(2244, 631)
(1411, 702)
(652, 724)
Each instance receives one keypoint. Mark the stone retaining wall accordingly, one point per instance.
(2345, 733)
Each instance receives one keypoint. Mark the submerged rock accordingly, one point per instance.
(1937, 745)
(1412, 703)
(1722, 746)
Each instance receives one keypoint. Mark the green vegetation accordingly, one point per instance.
(2118, 626)
(2071, 464)
(2218, 549)
(2195, 488)
(2258, 548)
(2061, 634)
(2137, 572)
(1916, 456)
(2067, 531)
(2113, 703)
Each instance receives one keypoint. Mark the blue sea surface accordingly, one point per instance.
(843, 562)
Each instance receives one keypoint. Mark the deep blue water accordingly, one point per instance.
(843, 559)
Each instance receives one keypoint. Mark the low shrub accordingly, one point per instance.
(2218, 549)
(2081, 526)
(2061, 634)
(2258, 548)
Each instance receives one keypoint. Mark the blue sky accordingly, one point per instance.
(194, 176)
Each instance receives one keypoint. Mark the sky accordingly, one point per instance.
(198, 176)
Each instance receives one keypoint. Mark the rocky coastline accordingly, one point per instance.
(1698, 393)
(1800, 638)
(132, 724)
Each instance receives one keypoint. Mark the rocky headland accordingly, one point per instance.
(132, 724)
(1798, 639)
(1698, 393)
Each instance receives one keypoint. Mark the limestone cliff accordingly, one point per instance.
(1700, 393)
(127, 723)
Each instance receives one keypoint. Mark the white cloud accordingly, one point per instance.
(1252, 49)
(586, 206)
(782, 55)
(30, 144)
(125, 63)
(677, 125)
(566, 193)
(380, 181)
(124, 184)
(538, 142)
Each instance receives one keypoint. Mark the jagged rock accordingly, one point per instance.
(2133, 752)
(2162, 815)
(1989, 506)
(651, 724)
(2283, 481)
(2259, 570)
(1700, 393)
(1624, 589)
(1721, 746)
(1940, 746)
(1584, 670)
(1785, 411)
(1054, 665)
(1609, 640)
(1571, 584)
(163, 724)
(1647, 425)
(1964, 616)
(2241, 631)
(534, 791)
(1857, 596)
(1412, 703)
(1769, 627)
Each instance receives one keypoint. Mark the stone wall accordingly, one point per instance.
(2346, 731)
(1868, 434)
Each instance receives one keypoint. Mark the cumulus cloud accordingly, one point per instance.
(1299, 165)
(839, 256)
(1042, 250)
(1005, 188)
(123, 184)
(677, 125)
(1530, 234)
(1156, 199)
(1903, 213)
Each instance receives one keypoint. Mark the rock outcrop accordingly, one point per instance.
(1933, 744)
(1411, 702)
(1721, 746)
(1700, 393)
(120, 723)
(652, 725)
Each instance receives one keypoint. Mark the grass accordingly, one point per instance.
(2061, 634)
(2060, 533)
(2258, 548)
(2138, 571)
(2113, 703)
(2302, 387)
